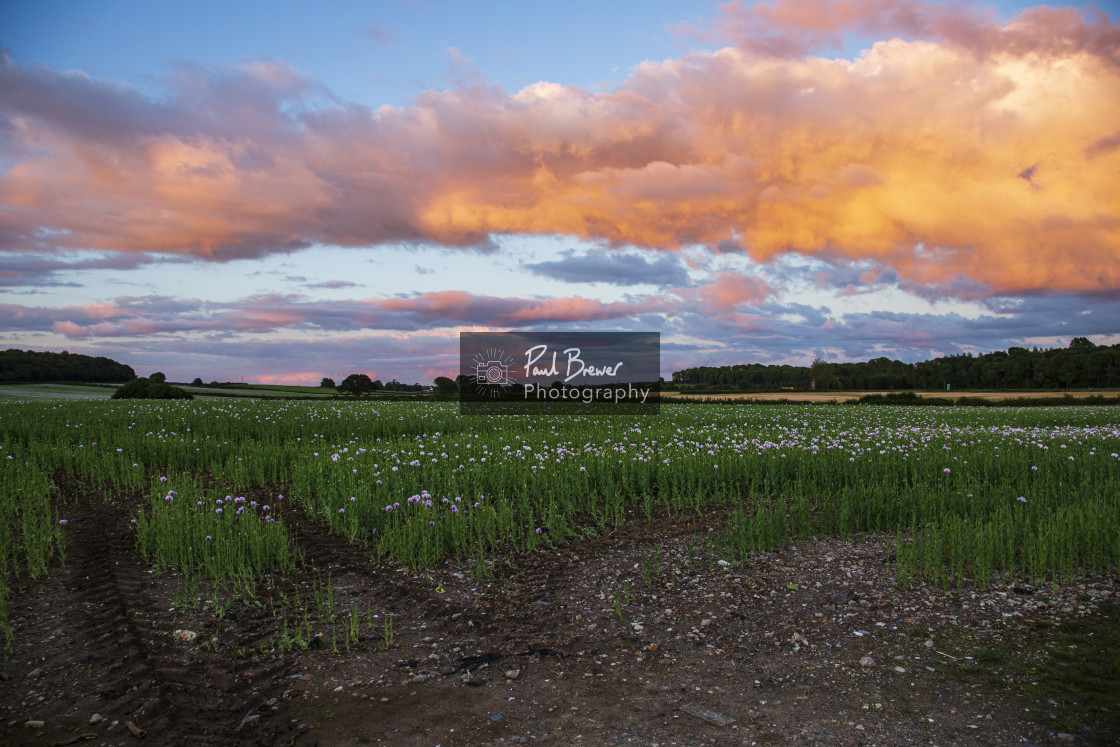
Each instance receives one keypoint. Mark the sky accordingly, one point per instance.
(279, 192)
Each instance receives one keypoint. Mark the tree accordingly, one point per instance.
(149, 389)
(824, 373)
(157, 377)
(356, 384)
(326, 383)
(446, 386)
(197, 381)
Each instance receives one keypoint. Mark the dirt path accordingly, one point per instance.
(640, 636)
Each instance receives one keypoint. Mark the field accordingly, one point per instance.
(238, 571)
(847, 396)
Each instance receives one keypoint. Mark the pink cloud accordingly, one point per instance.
(908, 156)
(730, 291)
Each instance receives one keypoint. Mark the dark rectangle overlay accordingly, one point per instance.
(578, 372)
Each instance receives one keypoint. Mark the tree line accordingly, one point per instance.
(1081, 365)
(359, 384)
(27, 366)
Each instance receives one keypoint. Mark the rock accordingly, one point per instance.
(36, 672)
(134, 730)
(185, 636)
(496, 718)
(843, 597)
(1063, 737)
(96, 718)
(707, 714)
(705, 622)
(512, 674)
(867, 661)
(34, 724)
(900, 670)
(928, 644)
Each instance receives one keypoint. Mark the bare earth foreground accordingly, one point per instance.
(637, 637)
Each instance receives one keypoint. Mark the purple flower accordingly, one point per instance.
(342, 510)
(217, 510)
(538, 530)
(1022, 499)
(431, 523)
(264, 508)
(63, 522)
(163, 479)
(208, 538)
(388, 508)
(946, 470)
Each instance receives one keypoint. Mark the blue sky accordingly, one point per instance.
(278, 193)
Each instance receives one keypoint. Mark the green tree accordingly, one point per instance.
(356, 384)
(197, 381)
(824, 373)
(327, 383)
(157, 377)
(446, 386)
(148, 389)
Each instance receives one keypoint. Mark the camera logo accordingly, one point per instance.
(491, 372)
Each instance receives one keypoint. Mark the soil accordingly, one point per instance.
(636, 636)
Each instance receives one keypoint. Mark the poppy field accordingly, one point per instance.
(224, 503)
(967, 494)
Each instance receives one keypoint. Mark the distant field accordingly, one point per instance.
(847, 396)
(258, 392)
(105, 391)
(56, 391)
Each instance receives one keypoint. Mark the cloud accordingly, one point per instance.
(909, 157)
(288, 337)
(730, 291)
(129, 316)
(332, 284)
(379, 34)
(21, 270)
(613, 268)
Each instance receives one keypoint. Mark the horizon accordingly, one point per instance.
(260, 192)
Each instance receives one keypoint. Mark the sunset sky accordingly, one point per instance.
(281, 192)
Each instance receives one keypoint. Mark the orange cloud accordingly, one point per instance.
(966, 150)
